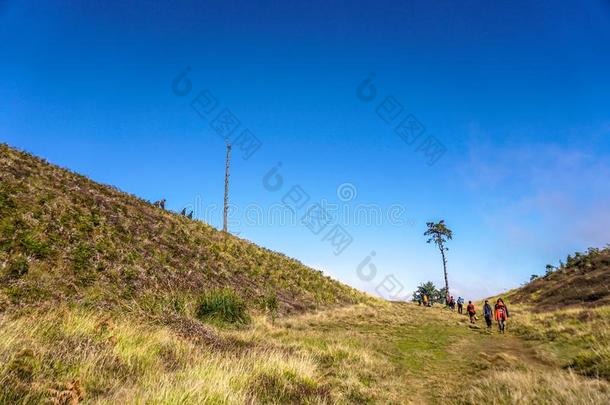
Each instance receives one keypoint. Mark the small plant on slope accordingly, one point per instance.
(270, 304)
(223, 306)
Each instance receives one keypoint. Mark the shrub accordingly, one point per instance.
(7, 232)
(18, 268)
(270, 304)
(6, 202)
(81, 257)
(82, 263)
(33, 246)
(224, 306)
(592, 363)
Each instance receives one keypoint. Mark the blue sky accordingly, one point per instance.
(517, 93)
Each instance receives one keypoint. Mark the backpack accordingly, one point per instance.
(501, 312)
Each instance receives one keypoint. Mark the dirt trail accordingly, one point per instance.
(514, 348)
(469, 353)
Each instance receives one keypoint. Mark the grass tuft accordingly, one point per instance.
(593, 363)
(286, 387)
(223, 306)
(531, 387)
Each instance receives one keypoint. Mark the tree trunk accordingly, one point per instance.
(226, 203)
(442, 248)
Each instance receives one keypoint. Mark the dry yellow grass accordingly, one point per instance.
(534, 387)
(374, 353)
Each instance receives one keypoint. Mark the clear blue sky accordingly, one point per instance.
(518, 93)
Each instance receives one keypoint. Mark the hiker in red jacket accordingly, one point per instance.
(501, 314)
(472, 313)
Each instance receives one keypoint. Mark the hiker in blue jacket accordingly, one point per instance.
(460, 303)
(488, 314)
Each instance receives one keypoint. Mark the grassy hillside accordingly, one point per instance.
(573, 338)
(65, 238)
(105, 299)
(102, 293)
(583, 280)
(566, 313)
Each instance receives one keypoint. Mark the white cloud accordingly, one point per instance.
(542, 197)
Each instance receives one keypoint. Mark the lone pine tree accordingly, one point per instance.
(440, 234)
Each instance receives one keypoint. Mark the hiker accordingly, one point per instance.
(460, 303)
(451, 303)
(501, 314)
(488, 314)
(472, 313)
(426, 300)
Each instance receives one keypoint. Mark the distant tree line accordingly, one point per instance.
(579, 261)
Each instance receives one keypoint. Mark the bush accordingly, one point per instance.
(18, 268)
(270, 304)
(224, 306)
(592, 363)
(6, 202)
(81, 258)
(33, 246)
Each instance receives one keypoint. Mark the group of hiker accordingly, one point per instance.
(499, 313)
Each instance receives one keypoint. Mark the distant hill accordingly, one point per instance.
(583, 280)
(66, 238)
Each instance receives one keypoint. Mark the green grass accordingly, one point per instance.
(223, 306)
(425, 346)
(77, 234)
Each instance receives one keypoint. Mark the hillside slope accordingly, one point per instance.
(99, 293)
(583, 280)
(566, 313)
(65, 238)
